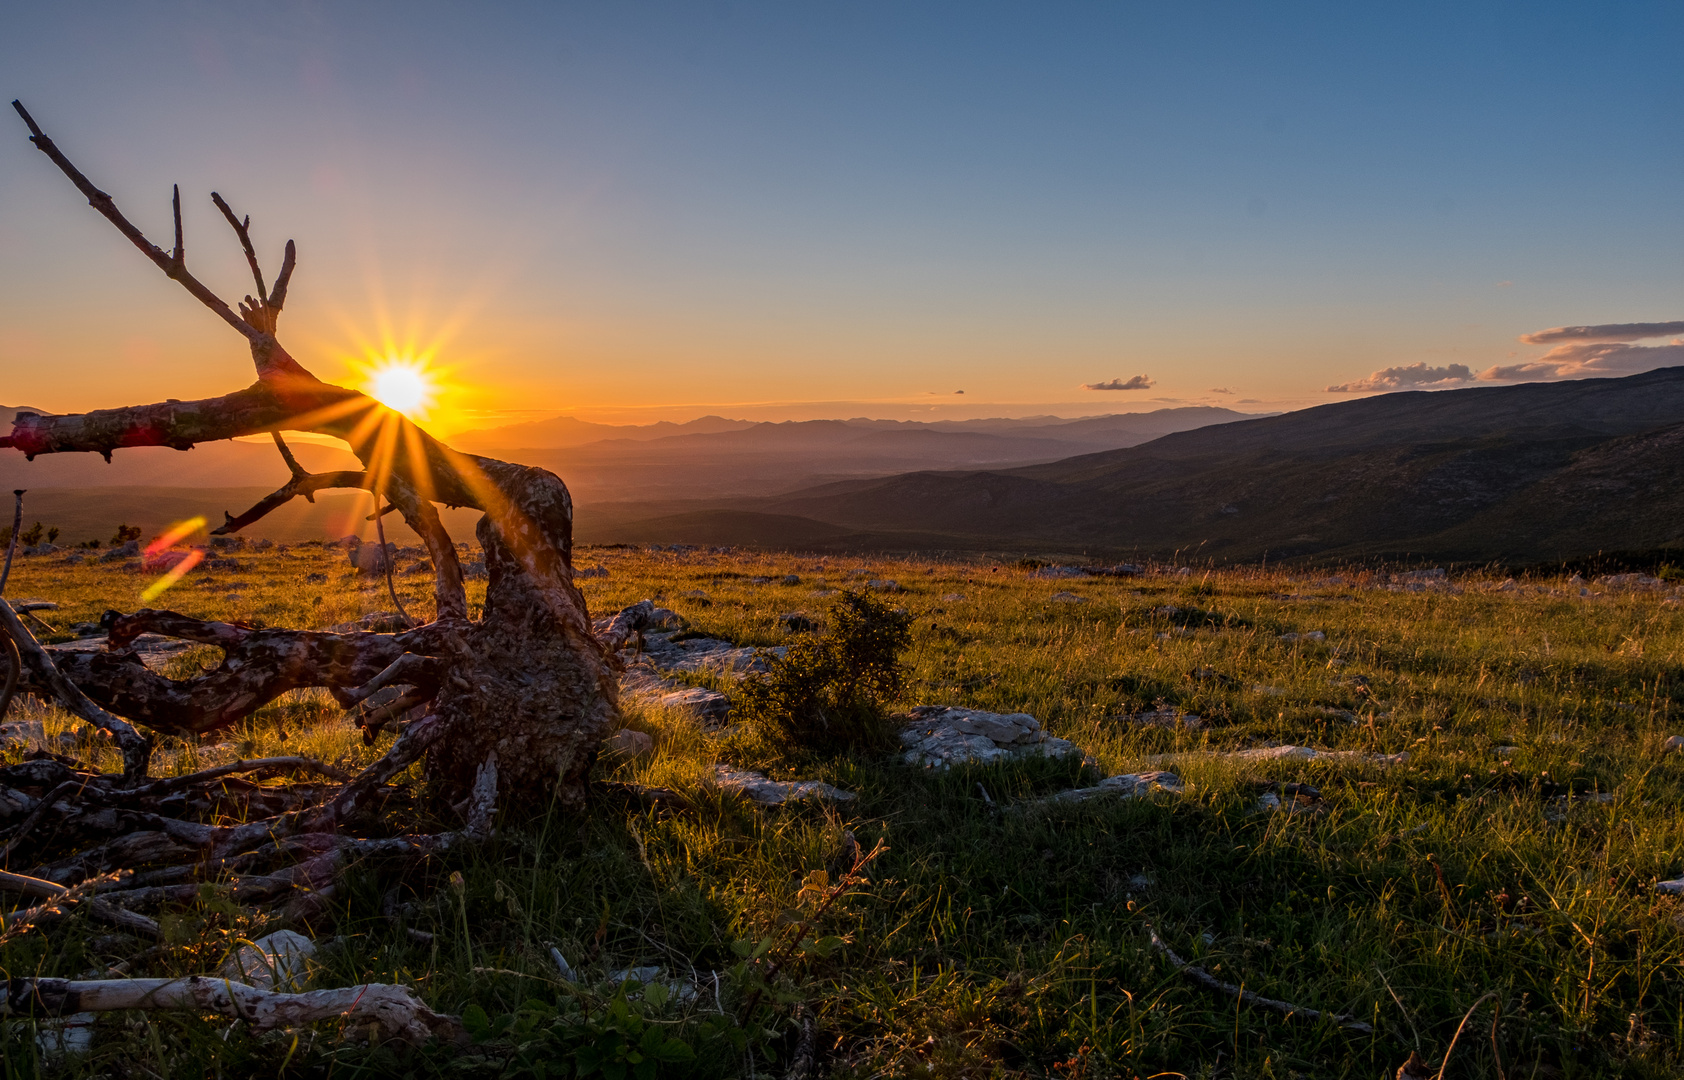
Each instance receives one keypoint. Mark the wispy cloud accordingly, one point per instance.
(1220, 390)
(1629, 331)
(1139, 382)
(1413, 377)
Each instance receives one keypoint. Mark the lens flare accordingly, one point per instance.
(154, 555)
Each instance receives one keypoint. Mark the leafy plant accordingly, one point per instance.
(830, 691)
(32, 535)
(125, 533)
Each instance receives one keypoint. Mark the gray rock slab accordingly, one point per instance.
(756, 788)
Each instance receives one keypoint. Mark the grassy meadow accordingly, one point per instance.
(999, 935)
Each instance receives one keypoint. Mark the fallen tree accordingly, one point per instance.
(507, 710)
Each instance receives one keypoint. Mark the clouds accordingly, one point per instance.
(1580, 352)
(1587, 359)
(1139, 382)
(1414, 377)
(1630, 331)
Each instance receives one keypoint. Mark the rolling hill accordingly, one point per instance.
(1522, 473)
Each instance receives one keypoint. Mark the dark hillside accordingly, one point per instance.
(1531, 472)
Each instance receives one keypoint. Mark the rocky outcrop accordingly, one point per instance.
(941, 736)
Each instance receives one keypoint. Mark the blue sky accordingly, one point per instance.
(660, 208)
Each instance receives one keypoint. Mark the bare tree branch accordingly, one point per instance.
(242, 230)
(102, 202)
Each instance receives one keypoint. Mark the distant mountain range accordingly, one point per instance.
(657, 467)
(707, 458)
(1522, 473)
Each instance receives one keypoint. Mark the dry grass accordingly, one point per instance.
(1009, 940)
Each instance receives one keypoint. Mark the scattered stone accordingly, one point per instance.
(346, 542)
(1508, 585)
(22, 734)
(790, 579)
(1289, 753)
(1067, 598)
(709, 706)
(1510, 751)
(1164, 718)
(629, 743)
(278, 961)
(760, 581)
(228, 543)
(1058, 572)
(756, 788)
(42, 549)
(1630, 581)
(796, 622)
(883, 586)
(372, 558)
(592, 571)
(1126, 786)
(1435, 574)
(222, 564)
(314, 579)
(1119, 570)
(952, 596)
(940, 736)
(1313, 635)
(1673, 742)
(126, 550)
(375, 622)
(263, 544)
(474, 570)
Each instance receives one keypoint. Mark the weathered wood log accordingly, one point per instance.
(527, 687)
(395, 1010)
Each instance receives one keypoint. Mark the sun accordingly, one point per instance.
(403, 385)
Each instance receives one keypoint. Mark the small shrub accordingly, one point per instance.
(32, 535)
(830, 691)
(125, 533)
(1669, 572)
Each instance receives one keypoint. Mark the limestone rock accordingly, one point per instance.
(756, 788)
(278, 961)
(372, 558)
(1126, 786)
(628, 743)
(1673, 742)
(1288, 753)
(709, 706)
(939, 736)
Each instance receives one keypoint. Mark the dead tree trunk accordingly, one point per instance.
(516, 703)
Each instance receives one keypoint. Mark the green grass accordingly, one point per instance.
(1010, 938)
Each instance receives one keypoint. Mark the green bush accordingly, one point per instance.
(830, 691)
